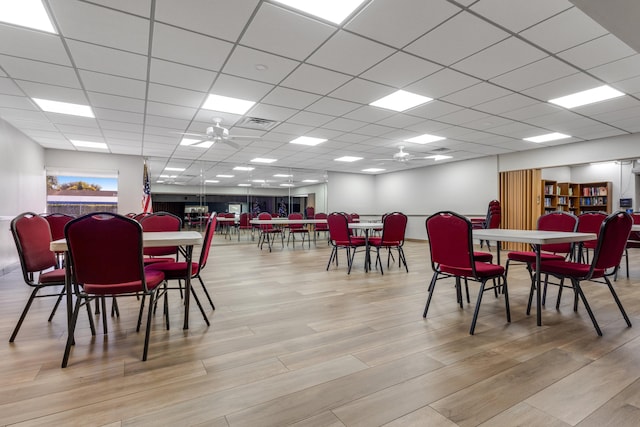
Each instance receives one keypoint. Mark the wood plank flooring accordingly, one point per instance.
(293, 344)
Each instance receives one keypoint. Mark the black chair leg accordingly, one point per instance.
(432, 286)
(24, 314)
(206, 292)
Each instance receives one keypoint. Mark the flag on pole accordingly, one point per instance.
(146, 192)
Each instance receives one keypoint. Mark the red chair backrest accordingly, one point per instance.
(558, 221)
(295, 216)
(394, 227)
(244, 220)
(161, 221)
(590, 222)
(139, 216)
(338, 228)
(206, 244)
(105, 248)
(32, 236)
(320, 226)
(310, 212)
(494, 215)
(450, 240)
(265, 216)
(57, 221)
(612, 240)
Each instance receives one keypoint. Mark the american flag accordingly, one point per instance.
(146, 192)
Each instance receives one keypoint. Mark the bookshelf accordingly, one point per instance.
(595, 196)
(550, 190)
(576, 198)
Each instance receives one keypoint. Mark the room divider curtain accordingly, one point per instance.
(520, 198)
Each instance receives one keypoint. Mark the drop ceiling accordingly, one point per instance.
(146, 68)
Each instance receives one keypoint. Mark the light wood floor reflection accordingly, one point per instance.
(293, 344)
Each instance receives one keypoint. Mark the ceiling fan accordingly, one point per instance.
(403, 157)
(213, 134)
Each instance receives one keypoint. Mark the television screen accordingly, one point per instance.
(626, 203)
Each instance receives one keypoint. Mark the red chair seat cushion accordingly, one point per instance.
(53, 276)
(175, 270)
(483, 269)
(569, 269)
(149, 261)
(152, 277)
(483, 256)
(530, 257)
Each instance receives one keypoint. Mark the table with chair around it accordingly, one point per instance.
(270, 223)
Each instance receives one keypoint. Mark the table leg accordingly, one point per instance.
(187, 286)
(367, 254)
(68, 290)
(538, 298)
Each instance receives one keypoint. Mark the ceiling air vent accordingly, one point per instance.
(256, 123)
(440, 150)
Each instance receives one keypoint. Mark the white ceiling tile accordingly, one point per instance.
(106, 83)
(463, 116)
(314, 79)
(517, 130)
(597, 52)
(166, 110)
(552, 34)
(442, 83)
(100, 25)
(332, 106)
(607, 107)
(121, 103)
(561, 87)
(172, 74)
(217, 18)
(361, 91)
(433, 109)
(272, 112)
(537, 73)
(174, 95)
(54, 93)
(284, 32)
(138, 7)
(236, 87)
(486, 123)
(476, 94)
(400, 120)
(35, 45)
(8, 87)
(346, 125)
(110, 61)
(400, 69)
(622, 69)
(459, 37)
(310, 119)
(397, 26)
(534, 110)
(245, 62)
(118, 116)
(25, 69)
(291, 98)
(338, 53)
(19, 102)
(506, 103)
(500, 58)
(516, 15)
(205, 52)
(369, 114)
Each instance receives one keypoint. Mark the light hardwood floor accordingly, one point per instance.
(293, 344)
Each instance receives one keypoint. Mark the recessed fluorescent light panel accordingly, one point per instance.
(263, 160)
(348, 159)
(174, 169)
(585, 97)
(64, 108)
(211, 181)
(425, 139)
(243, 168)
(547, 137)
(286, 185)
(310, 180)
(227, 104)
(224, 176)
(26, 13)
(258, 180)
(244, 185)
(334, 11)
(168, 176)
(439, 157)
(89, 144)
(307, 140)
(373, 170)
(282, 175)
(400, 100)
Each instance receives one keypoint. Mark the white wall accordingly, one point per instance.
(23, 186)
(351, 192)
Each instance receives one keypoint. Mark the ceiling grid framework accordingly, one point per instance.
(146, 69)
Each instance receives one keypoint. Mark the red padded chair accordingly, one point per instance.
(588, 222)
(160, 221)
(268, 231)
(394, 226)
(320, 227)
(493, 219)
(610, 246)
(451, 243)
(178, 270)
(245, 224)
(633, 242)
(106, 260)
(554, 221)
(57, 221)
(298, 229)
(32, 236)
(340, 238)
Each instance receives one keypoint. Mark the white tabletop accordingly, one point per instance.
(365, 225)
(150, 240)
(225, 219)
(287, 221)
(536, 237)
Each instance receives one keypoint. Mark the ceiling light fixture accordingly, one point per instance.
(307, 140)
(64, 108)
(244, 185)
(243, 168)
(224, 176)
(174, 169)
(547, 137)
(601, 93)
(425, 139)
(348, 159)
(400, 100)
(310, 180)
(373, 170)
(439, 157)
(334, 11)
(227, 104)
(282, 175)
(211, 181)
(26, 13)
(286, 185)
(89, 144)
(263, 160)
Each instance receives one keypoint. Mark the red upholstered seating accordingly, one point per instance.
(268, 231)
(393, 229)
(340, 238)
(298, 230)
(451, 243)
(160, 221)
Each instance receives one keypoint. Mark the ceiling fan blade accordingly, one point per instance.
(244, 137)
(231, 144)
(201, 135)
(383, 160)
